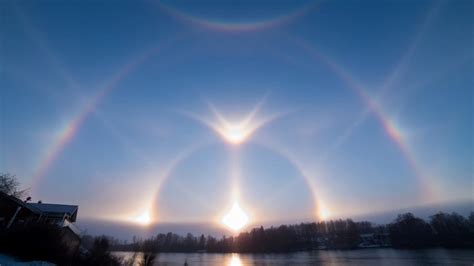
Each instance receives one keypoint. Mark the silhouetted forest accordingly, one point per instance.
(406, 231)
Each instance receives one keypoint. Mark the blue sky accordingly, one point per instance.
(372, 99)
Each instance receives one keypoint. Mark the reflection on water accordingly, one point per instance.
(235, 260)
(322, 257)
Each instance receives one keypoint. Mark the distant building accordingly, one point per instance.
(374, 240)
(16, 213)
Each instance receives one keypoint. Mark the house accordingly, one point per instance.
(374, 240)
(16, 213)
(62, 215)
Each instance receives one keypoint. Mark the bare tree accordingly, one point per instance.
(10, 185)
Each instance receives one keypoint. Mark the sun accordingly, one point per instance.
(235, 133)
(143, 219)
(236, 218)
(324, 214)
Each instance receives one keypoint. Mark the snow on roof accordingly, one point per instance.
(56, 209)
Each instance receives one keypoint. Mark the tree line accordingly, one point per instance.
(406, 231)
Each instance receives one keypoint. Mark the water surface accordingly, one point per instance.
(320, 257)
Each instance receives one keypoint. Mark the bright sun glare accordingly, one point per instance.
(236, 218)
(235, 134)
(143, 219)
(237, 131)
(324, 214)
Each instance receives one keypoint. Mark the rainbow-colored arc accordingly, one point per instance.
(235, 26)
(254, 123)
(73, 126)
(162, 177)
(391, 130)
(308, 177)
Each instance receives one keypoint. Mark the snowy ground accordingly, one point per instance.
(10, 261)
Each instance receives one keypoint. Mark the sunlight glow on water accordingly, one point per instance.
(235, 260)
(364, 257)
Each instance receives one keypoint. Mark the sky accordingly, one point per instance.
(174, 111)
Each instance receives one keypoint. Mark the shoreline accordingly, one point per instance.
(300, 251)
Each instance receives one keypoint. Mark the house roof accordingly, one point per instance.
(49, 209)
(19, 202)
(53, 208)
(56, 209)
